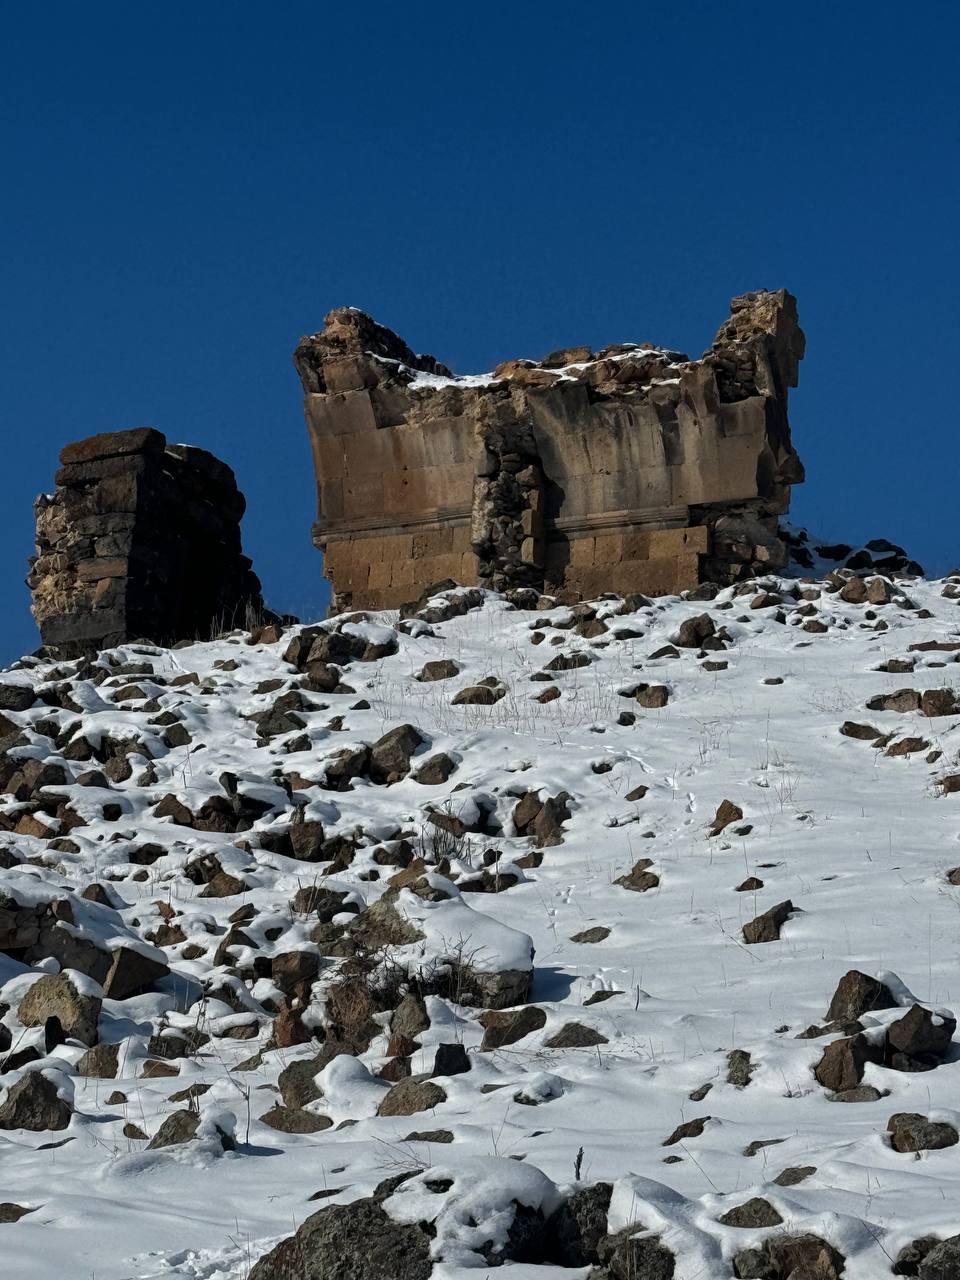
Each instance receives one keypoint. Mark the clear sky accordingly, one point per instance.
(189, 188)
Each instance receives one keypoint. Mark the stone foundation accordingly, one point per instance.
(140, 540)
(629, 469)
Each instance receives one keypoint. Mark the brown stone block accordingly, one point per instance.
(408, 493)
(404, 449)
(383, 597)
(431, 542)
(354, 577)
(588, 580)
(372, 549)
(607, 548)
(636, 544)
(468, 573)
(436, 568)
(673, 542)
(94, 570)
(339, 414)
(114, 494)
(363, 497)
(532, 523)
(380, 575)
(109, 593)
(581, 552)
(403, 573)
(451, 487)
(460, 540)
(365, 454)
(396, 546)
(348, 373)
(335, 554)
(666, 576)
(330, 503)
(328, 458)
(359, 550)
(113, 444)
(688, 569)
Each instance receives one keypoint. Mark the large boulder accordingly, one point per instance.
(842, 1064)
(56, 996)
(633, 1254)
(34, 1103)
(857, 993)
(389, 759)
(920, 1037)
(790, 1257)
(942, 1262)
(358, 1241)
(910, 1131)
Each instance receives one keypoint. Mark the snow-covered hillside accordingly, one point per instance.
(507, 950)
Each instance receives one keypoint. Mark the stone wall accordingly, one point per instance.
(629, 469)
(140, 540)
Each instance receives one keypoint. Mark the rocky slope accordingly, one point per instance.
(612, 941)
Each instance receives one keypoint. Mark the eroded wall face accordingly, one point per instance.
(140, 540)
(631, 469)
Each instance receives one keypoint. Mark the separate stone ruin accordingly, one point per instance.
(140, 540)
(629, 469)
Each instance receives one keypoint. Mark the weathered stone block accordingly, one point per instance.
(139, 540)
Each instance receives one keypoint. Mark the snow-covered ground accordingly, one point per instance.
(858, 840)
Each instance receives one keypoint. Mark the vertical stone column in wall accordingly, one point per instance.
(508, 497)
(755, 360)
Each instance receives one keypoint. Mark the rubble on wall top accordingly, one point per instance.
(761, 316)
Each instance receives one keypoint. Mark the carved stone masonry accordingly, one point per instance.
(629, 469)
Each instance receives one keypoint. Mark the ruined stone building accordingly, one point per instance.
(629, 469)
(633, 468)
(140, 540)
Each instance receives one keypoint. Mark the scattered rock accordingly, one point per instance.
(690, 1129)
(856, 994)
(101, 1062)
(921, 1036)
(766, 927)
(794, 1174)
(574, 1035)
(843, 1062)
(293, 1120)
(786, 1257)
(752, 1214)
(942, 1262)
(726, 813)
(55, 996)
(910, 1131)
(357, 1241)
(595, 934)
(693, 631)
(510, 1025)
(409, 1096)
(13, 1212)
(639, 879)
(631, 1256)
(389, 759)
(739, 1068)
(435, 770)
(33, 1103)
(439, 669)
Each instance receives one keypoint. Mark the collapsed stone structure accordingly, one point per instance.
(629, 469)
(141, 539)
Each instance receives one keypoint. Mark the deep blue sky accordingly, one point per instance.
(188, 188)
